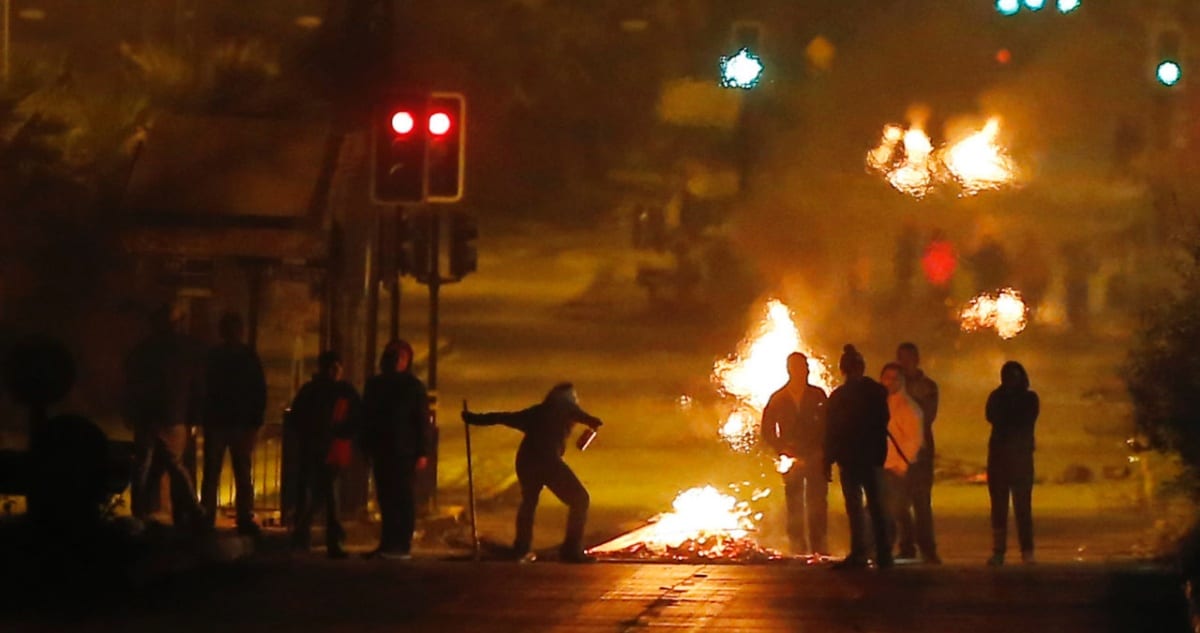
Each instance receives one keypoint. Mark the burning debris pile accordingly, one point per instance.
(908, 161)
(1004, 311)
(705, 525)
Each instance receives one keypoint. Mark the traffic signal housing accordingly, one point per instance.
(464, 253)
(398, 148)
(445, 147)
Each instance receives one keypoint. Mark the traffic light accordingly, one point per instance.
(1167, 69)
(398, 148)
(464, 256)
(445, 155)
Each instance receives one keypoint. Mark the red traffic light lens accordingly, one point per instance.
(439, 123)
(402, 122)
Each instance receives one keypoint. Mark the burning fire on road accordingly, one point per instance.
(1004, 311)
(908, 161)
(706, 524)
(759, 369)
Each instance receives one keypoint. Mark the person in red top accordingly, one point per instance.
(324, 415)
(793, 425)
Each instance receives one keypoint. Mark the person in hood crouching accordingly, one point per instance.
(546, 426)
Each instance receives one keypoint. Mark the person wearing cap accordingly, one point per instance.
(857, 442)
(396, 435)
(324, 415)
(546, 426)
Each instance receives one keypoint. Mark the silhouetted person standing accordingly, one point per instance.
(540, 464)
(793, 424)
(234, 402)
(325, 416)
(919, 533)
(162, 384)
(395, 433)
(1012, 410)
(856, 441)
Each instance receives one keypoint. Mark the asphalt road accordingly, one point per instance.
(312, 594)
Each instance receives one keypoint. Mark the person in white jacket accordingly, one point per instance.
(906, 436)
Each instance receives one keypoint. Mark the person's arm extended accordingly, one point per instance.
(585, 418)
(518, 420)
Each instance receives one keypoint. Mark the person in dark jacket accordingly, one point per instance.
(540, 464)
(793, 425)
(1012, 410)
(161, 402)
(324, 416)
(395, 434)
(919, 533)
(234, 402)
(857, 442)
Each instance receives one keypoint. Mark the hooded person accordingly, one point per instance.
(857, 441)
(546, 426)
(395, 436)
(1012, 410)
(324, 415)
(793, 425)
(905, 440)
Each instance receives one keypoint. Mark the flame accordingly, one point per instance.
(1005, 311)
(908, 161)
(978, 163)
(784, 464)
(758, 370)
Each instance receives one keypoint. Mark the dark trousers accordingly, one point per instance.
(857, 480)
(1004, 481)
(317, 490)
(239, 441)
(537, 472)
(161, 450)
(395, 478)
(806, 492)
(919, 492)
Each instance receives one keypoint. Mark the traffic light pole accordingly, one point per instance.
(398, 218)
(435, 283)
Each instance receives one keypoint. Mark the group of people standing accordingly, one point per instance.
(880, 435)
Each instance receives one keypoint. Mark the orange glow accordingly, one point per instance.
(758, 370)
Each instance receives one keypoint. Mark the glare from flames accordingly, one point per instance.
(784, 464)
(908, 161)
(759, 369)
(1004, 311)
(978, 163)
(703, 523)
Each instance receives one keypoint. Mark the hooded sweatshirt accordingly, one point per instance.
(1012, 410)
(546, 425)
(907, 428)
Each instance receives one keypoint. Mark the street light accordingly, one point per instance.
(1008, 7)
(742, 70)
(1035, 5)
(1168, 72)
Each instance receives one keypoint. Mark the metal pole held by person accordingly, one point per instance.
(471, 487)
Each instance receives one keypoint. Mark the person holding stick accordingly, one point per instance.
(546, 426)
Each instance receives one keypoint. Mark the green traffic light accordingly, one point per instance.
(1168, 72)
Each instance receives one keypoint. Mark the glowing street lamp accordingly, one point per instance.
(1035, 5)
(742, 70)
(1008, 7)
(1168, 72)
